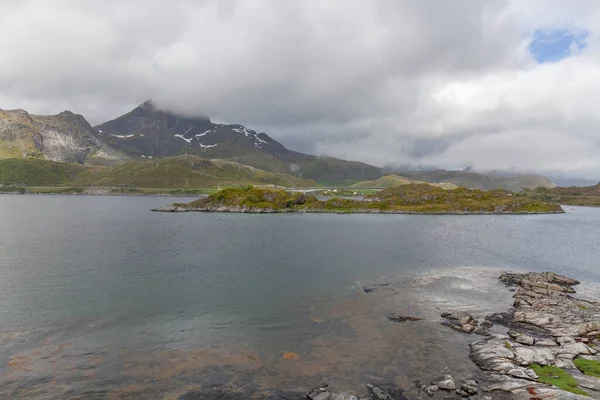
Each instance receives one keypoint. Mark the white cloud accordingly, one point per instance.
(425, 82)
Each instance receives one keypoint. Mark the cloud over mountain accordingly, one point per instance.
(387, 82)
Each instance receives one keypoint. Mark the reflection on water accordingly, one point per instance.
(101, 299)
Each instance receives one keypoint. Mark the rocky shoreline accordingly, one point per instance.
(253, 210)
(548, 333)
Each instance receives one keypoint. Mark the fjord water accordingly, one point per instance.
(122, 290)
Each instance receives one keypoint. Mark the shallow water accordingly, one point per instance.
(101, 297)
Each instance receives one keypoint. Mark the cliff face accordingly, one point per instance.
(66, 137)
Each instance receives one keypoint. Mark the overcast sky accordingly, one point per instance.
(494, 84)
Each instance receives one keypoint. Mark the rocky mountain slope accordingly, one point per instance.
(64, 137)
(148, 132)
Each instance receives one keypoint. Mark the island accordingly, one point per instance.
(406, 199)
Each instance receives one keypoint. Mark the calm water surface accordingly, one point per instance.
(98, 295)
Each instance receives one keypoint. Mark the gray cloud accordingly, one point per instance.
(387, 82)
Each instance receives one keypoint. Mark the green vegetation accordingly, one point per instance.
(179, 172)
(41, 190)
(507, 345)
(475, 180)
(571, 190)
(408, 198)
(170, 192)
(343, 192)
(37, 172)
(560, 378)
(251, 197)
(588, 196)
(389, 181)
(588, 367)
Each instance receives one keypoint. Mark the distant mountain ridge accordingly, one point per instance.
(149, 132)
(477, 180)
(391, 181)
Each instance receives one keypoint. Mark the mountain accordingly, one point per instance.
(149, 132)
(563, 181)
(163, 173)
(64, 137)
(477, 180)
(390, 181)
(572, 190)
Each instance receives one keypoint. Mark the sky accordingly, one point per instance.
(495, 84)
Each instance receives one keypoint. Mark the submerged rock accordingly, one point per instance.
(445, 382)
(400, 318)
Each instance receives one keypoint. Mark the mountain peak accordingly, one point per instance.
(149, 105)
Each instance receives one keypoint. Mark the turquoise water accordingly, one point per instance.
(124, 290)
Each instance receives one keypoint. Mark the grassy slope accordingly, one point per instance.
(191, 171)
(572, 195)
(328, 171)
(588, 367)
(475, 180)
(18, 148)
(393, 180)
(408, 198)
(572, 190)
(560, 378)
(168, 173)
(37, 172)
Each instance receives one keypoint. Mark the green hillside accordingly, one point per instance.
(394, 180)
(192, 171)
(38, 172)
(167, 173)
(571, 195)
(476, 180)
(410, 198)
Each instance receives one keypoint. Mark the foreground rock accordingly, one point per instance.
(373, 391)
(464, 322)
(547, 327)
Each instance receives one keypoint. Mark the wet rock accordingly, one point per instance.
(343, 396)
(321, 396)
(483, 328)
(461, 321)
(503, 319)
(525, 339)
(445, 382)
(321, 393)
(213, 393)
(431, 389)
(469, 388)
(400, 318)
(463, 318)
(386, 391)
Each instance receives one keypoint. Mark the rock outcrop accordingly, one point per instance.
(547, 327)
(64, 137)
